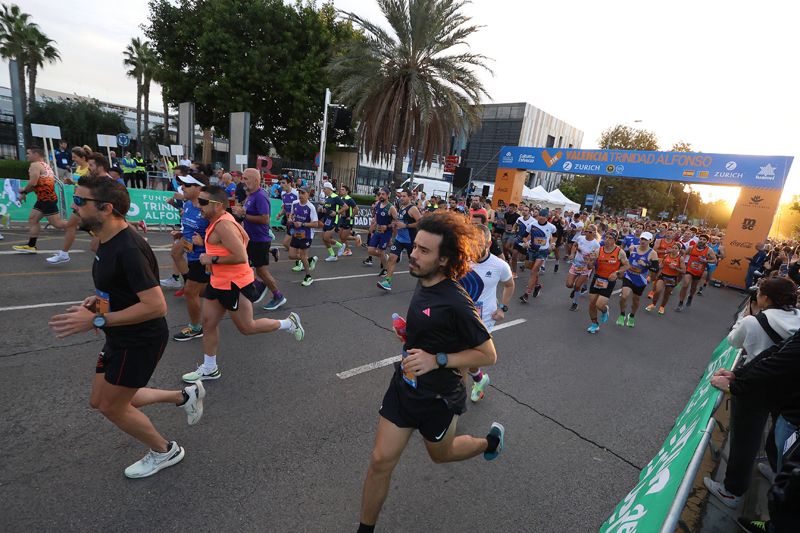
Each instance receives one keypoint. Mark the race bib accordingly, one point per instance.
(600, 283)
(539, 241)
(299, 234)
(695, 265)
(103, 304)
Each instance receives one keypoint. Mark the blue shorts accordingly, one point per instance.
(329, 224)
(534, 255)
(398, 247)
(711, 268)
(380, 240)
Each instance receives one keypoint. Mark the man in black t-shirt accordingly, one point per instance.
(443, 335)
(129, 307)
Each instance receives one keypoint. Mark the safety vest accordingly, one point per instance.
(140, 164)
(128, 165)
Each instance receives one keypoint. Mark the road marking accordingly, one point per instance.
(617, 291)
(391, 360)
(36, 306)
(356, 276)
(9, 252)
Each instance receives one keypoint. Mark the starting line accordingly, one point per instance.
(391, 360)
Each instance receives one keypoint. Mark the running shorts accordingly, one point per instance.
(46, 208)
(345, 223)
(398, 247)
(229, 298)
(380, 240)
(521, 249)
(669, 281)
(428, 415)
(575, 270)
(509, 237)
(602, 286)
(197, 273)
(258, 253)
(637, 290)
(329, 224)
(534, 255)
(300, 244)
(131, 365)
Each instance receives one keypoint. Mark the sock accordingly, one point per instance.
(298, 262)
(195, 327)
(364, 528)
(184, 276)
(622, 314)
(176, 277)
(185, 398)
(277, 295)
(477, 376)
(680, 302)
(209, 361)
(32, 241)
(330, 251)
(494, 442)
(528, 291)
(630, 315)
(575, 298)
(285, 324)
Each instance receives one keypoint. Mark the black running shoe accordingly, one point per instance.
(537, 290)
(275, 254)
(573, 307)
(382, 272)
(524, 298)
(555, 268)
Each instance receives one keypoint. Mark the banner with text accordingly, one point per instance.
(645, 508)
(762, 171)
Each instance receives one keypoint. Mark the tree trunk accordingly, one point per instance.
(400, 151)
(146, 95)
(139, 116)
(166, 118)
(207, 146)
(23, 98)
(32, 71)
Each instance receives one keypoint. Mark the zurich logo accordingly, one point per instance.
(567, 165)
(730, 165)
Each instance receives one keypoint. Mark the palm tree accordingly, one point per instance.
(409, 90)
(149, 65)
(38, 50)
(160, 77)
(132, 58)
(14, 31)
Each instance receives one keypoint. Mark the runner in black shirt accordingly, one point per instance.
(444, 334)
(130, 308)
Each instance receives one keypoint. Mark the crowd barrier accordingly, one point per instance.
(656, 502)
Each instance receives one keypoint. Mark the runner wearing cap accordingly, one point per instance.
(380, 228)
(347, 214)
(540, 244)
(329, 213)
(643, 259)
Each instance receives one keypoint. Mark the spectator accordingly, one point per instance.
(756, 264)
(63, 161)
(228, 184)
(129, 170)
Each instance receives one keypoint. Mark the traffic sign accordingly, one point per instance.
(123, 139)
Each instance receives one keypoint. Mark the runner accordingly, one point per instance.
(255, 213)
(405, 223)
(347, 214)
(696, 259)
(642, 259)
(288, 198)
(481, 284)
(329, 210)
(662, 246)
(540, 243)
(719, 251)
(443, 335)
(583, 255)
(558, 222)
(611, 263)
(130, 308)
(41, 181)
(302, 220)
(521, 237)
(509, 234)
(672, 270)
(232, 287)
(381, 228)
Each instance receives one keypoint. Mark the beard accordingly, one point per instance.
(89, 224)
(417, 272)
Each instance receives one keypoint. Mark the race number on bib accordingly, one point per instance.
(600, 283)
(103, 302)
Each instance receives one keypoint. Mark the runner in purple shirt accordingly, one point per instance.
(288, 197)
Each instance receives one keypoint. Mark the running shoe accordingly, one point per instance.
(171, 283)
(308, 280)
(359, 242)
(201, 374)
(718, 491)
(621, 320)
(187, 334)
(631, 321)
(194, 405)
(650, 307)
(312, 263)
(24, 248)
(753, 526)
(367, 262)
(479, 388)
(498, 431)
(261, 290)
(275, 303)
(572, 294)
(555, 268)
(700, 291)
(385, 285)
(661, 310)
(297, 327)
(573, 306)
(276, 254)
(331, 259)
(383, 272)
(542, 269)
(298, 266)
(584, 290)
(679, 309)
(536, 290)
(180, 292)
(348, 252)
(524, 298)
(341, 250)
(689, 301)
(143, 226)
(154, 461)
(593, 328)
(604, 316)
(59, 257)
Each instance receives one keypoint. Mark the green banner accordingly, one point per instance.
(646, 507)
(148, 205)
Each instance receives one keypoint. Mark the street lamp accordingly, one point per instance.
(687, 189)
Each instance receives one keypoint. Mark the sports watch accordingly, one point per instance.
(504, 308)
(441, 359)
(99, 321)
(214, 259)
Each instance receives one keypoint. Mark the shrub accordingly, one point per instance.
(11, 168)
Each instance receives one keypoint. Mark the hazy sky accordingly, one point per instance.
(720, 75)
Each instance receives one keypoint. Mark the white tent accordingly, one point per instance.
(558, 197)
(537, 194)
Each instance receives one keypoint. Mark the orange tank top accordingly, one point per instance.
(696, 266)
(663, 246)
(223, 275)
(670, 266)
(45, 188)
(607, 262)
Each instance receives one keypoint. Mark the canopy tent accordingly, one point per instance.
(561, 198)
(537, 194)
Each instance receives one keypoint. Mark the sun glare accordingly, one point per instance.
(712, 193)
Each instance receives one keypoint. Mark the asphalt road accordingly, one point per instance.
(284, 443)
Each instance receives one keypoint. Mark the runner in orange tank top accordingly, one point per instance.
(233, 287)
(662, 246)
(611, 263)
(672, 269)
(697, 258)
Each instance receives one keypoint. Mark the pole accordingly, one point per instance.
(686, 205)
(16, 102)
(596, 190)
(323, 137)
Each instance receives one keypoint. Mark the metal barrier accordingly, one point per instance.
(156, 179)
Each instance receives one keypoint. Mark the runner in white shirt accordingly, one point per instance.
(541, 242)
(481, 284)
(583, 255)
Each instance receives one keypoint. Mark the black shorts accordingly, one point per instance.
(345, 223)
(329, 224)
(606, 292)
(670, 281)
(430, 416)
(229, 298)
(197, 273)
(398, 247)
(636, 289)
(258, 253)
(696, 277)
(46, 208)
(131, 365)
(300, 244)
(521, 249)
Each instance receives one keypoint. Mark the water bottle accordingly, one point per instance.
(399, 325)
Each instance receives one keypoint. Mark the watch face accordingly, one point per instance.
(99, 321)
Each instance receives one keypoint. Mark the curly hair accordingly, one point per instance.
(461, 242)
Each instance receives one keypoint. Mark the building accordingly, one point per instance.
(516, 124)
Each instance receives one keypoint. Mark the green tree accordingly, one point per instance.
(39, 50)
(15, 29)
(409, 90)
(134, 57)
(80, 120)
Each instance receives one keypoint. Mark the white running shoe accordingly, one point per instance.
(202, 374)
(154, 461)
(341, 251)
(60, 257)
(331, 259)
(169, 283)
(718, 491)
(194, 405)
(359, 242)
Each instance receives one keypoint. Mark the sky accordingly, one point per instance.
(722, 76)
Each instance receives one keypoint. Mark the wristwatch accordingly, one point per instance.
(99, 321)
(441, 359)
(214, 259)
(504, 308)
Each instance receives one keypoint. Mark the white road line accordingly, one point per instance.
(391, 360)
(357, 276)
(14, 252)
(36, 306)
(617, 291)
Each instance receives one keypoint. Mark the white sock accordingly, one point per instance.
(286, 324)
(209, 361)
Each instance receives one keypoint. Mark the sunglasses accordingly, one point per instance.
(184, 184)
(80, 201)
(204, 202)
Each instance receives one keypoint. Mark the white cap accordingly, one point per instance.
(646, 235)
(327, 185)
(189, 179)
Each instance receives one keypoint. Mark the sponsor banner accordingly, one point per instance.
(646, 507)
(767, 172)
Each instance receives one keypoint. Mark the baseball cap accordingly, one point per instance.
(544, 212)
(646, 235)
(327, 185)
(387, 190)
(190, 180)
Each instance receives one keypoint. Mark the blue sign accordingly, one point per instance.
(123, 140)
(766, 172)
(590, 200)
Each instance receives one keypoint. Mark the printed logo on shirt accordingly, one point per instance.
(426, 312)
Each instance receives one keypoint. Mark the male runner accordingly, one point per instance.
(719, 251)
(697, 257)
(288, 198)
(662, 246)
(302, 220)
(406, 219)
(642, 259)
(347, 214)
(329, 211)
(231, 288)
(130, 308)
(672, 270)
(381, 229)
(583, 255)
(443, 336)
(481, 284)
(611, 263)
(520, 230)
(255, 213)
(509, 235)
(541, 242)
